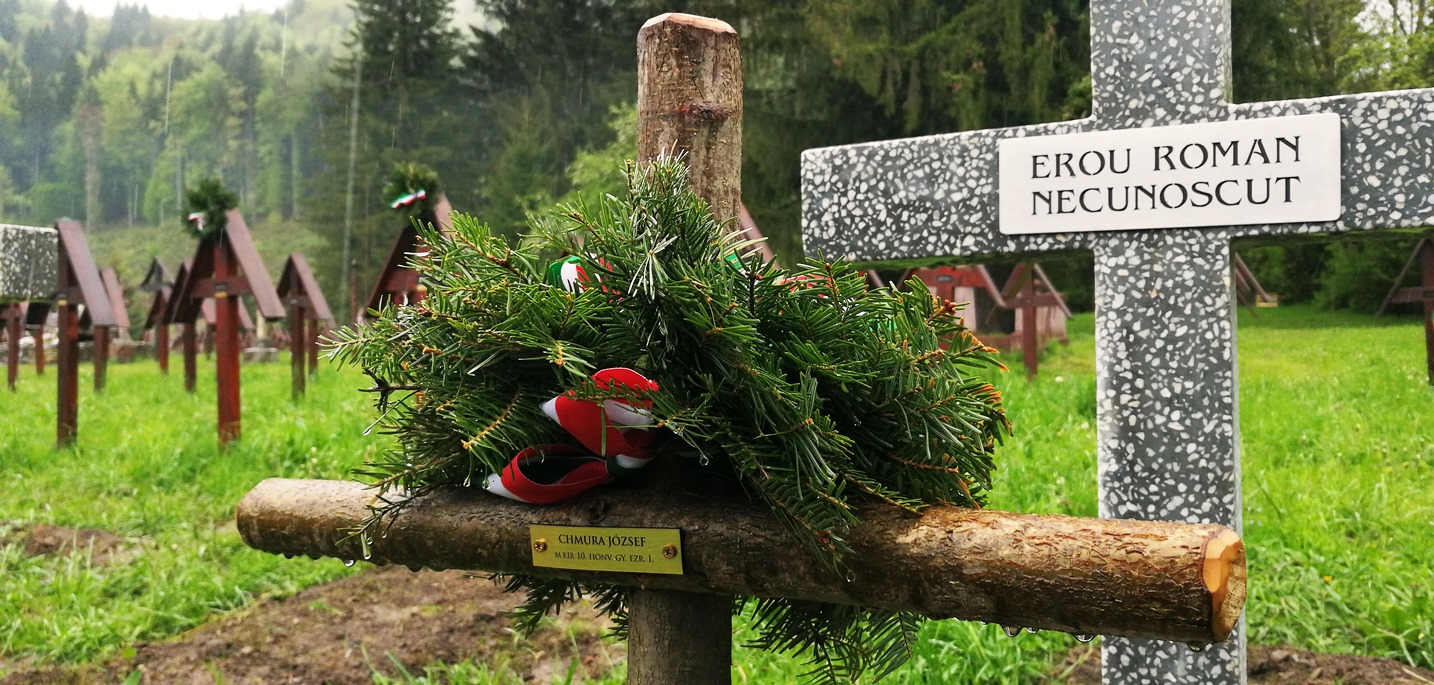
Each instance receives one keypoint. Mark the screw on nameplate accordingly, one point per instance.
(620, 550)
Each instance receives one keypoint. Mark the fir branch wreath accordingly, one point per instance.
(413, 189)
(206, 207)
(819, 393)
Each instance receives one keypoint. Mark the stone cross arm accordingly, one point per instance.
(938, 196)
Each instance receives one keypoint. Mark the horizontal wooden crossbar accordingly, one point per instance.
(1169, 581)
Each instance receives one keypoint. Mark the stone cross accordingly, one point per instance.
(1167, 424)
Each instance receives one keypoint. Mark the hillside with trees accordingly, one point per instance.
(303, 111)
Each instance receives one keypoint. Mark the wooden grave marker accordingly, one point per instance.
(1041, 312)
(973, 285)
(1156, 182)
(1423, 255)
(107, 337)
(78, 284)
(398, 283)
(225, 267)
(1150, 579)
(1248, 290)
(188, 337)
(158, 281)
(308, 313)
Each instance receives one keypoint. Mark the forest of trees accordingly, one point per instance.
(527, 102)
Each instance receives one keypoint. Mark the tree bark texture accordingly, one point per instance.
(1146, 579)
(689, 102)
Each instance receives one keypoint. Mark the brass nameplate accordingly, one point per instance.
(622, 550)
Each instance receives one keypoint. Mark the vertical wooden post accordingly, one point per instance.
(189, 341)
(67, 367)
(226, 344)
(1427, 264)
(298, 344)
(689, 100)
(1030, 337)
(101, 351)
(39, 333)
(313, 346)
(161, 346)
(13, 331)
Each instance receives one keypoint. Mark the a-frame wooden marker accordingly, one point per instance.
(225, 267)
(189, 343)
(398, 283)
(1248, 290)
(78, 283)
(1423, 255)
(308, 313)
(157, 281)
(104, 337)
(1029, 291)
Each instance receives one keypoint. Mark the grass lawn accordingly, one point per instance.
(1338, 465)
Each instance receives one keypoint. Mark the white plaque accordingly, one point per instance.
(1228, 173)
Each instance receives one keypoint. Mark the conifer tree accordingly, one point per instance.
(817, 392)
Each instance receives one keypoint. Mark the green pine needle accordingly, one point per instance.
(819, 393)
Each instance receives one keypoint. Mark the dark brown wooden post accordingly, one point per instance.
(298, 344)
(161, 346)
(689, 100)
(190, 342)
(1030, 337)
(226, 344)
(101, 351)
(39, 333)
(1428, 297)
(313, 346)
(67, 367)
(13, 331)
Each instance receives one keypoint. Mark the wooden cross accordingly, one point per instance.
(225, 266)
(78, 283)
(308, 311)
(157, 281)
(1168, 427)
(1165, 580)
(398, 282)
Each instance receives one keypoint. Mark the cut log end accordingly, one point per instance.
(1225, 579)
(700, 23)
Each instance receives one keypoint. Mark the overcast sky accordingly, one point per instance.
(188, 9)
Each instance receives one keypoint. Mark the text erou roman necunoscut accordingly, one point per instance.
(1229, 173)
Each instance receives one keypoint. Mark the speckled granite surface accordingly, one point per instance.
(27, 263)
(1165, 338)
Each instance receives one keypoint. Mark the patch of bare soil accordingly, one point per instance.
(342, 632)
(1276, 665)
(44, 539)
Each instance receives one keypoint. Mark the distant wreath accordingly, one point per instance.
(413, 189)
(206, 207)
